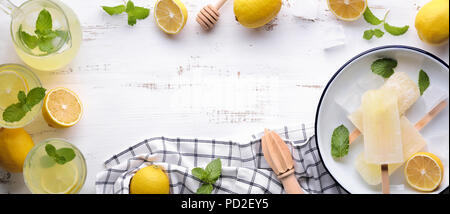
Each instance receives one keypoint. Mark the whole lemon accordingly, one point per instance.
(256, 13)
(432, 22)
(14, 147)
(150, 180)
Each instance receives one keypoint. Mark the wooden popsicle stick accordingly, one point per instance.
(419, 125)
(385, 179)
(432, 114)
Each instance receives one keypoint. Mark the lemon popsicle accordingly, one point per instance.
(381, 122)
(412, 142)
(403, 87)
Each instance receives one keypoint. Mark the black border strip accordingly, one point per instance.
(342, 68)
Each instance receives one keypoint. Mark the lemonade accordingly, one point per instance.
(64, 20)
(15, 78)
(44, 175)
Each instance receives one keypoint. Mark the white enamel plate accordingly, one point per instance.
(342, 94)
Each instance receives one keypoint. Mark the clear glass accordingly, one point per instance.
(63, 18)
(39, 169)
(31, 81)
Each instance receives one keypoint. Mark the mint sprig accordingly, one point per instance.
(44, 33)
(340, 142)
(134, 13)
(17, 111)
(208, 176)
(424, 81)
(384, 67)
(373, 20)
(60, 156)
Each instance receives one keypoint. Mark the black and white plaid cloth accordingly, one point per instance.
(244, 169)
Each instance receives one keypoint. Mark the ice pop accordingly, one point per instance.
(399, 84)
(381, 122)
(412, 142)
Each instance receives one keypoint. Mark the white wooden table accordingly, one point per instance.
(136, 82)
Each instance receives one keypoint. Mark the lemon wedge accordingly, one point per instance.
(170, 15)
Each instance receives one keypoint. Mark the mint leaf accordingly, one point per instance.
(340, 142)
(29, 40)
(370, 18)
(214, 169)
(378, 33)
(35, 96)
(205, 189)
(51, 150)
(140, 12)
(46, 161)
(114, 10)
(384, 67)
(44, 22)
(396, 31)
(67, 153)
(60, 156)
(45, 45)
(131, 20)
(22, 97)
(368, 34)
(130, 6)
(199, 173)
(424, 81)
(13, 113)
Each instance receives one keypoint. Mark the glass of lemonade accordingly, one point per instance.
(43, 175)
(15, 78)
(65, 39)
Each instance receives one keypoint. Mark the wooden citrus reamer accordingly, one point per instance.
(419, 125)
(279, 158)
(209, 15)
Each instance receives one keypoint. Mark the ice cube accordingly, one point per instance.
(334, 36)
(305, 9)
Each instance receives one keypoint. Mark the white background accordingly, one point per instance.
(227, 84)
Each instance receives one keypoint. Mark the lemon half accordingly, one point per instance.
(62, 108)
(424, 171)
(347, 10)
(170, 15)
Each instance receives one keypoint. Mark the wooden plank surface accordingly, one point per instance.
(136, 82)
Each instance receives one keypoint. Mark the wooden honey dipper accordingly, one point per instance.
(209, 15)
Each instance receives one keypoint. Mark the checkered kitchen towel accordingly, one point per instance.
(244, 169)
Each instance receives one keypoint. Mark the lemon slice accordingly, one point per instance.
(60, 179)
(170, 15)
(62, 108)
(11, 83)
(347, 10)
(424, 171)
